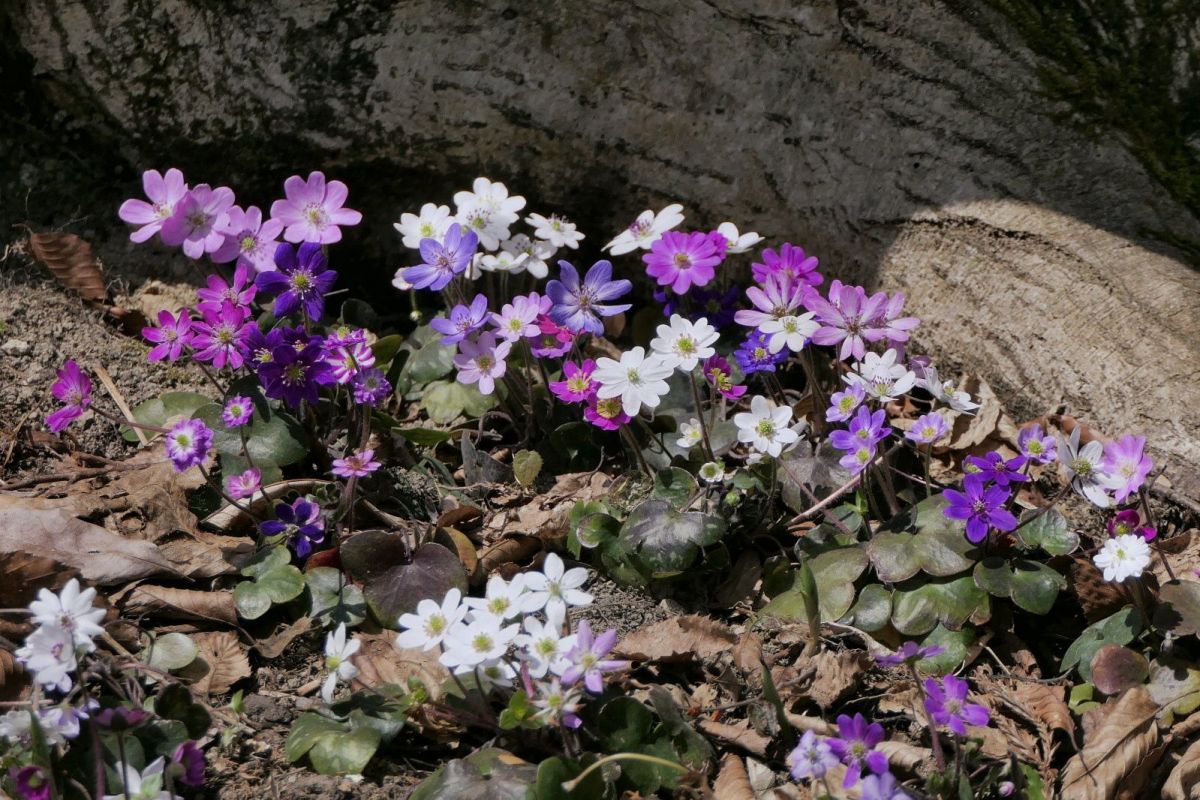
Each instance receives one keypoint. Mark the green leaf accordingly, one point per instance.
(958, 646)
(835, 572)
(937, 550)
(1175, 685)
(307, 730)
(175, 702)
(918, 606)
(276, 438)
(693, 749)
(269, 472)
(170, 651)
(385, 349)
(1082, 698)
(445, 401)
(167, 407)
(251, 600)
(282, 583)
(1121, 628)
(275, 580)
(1048, 531)
(1031, 585)
(465, 780)
(527, 464)
(666, 540)
(674, 485)
(873, 609)
(430, 359)
(335, 600)
(1179, 608)
(426, 437)
(819, 471)
(332, 747)
(594, 530)
(518, 712)
(624, 723)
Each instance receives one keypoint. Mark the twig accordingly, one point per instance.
(119, 399)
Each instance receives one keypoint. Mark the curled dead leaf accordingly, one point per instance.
(225, 658)
(71, 261)
(513, 548)
(736, 734)
(733, 782)
(14, 681)
(1184, 781)
(379, 661)
(274, 645)
(187, 604)
(678, 639)
(836, 675)
(1113, 756)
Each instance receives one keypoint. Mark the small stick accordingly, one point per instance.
(119, 399)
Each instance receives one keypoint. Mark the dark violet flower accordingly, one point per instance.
(345, 361)
(237, 411)
(683, 260)
(302, 279)
(462, 321)
(187, 764)
(946, 701)
(669, 301)
(855, 747)
(356, 465)
(222, 335)
(587, 658)
(165, 192)
(553, 340)
(881, 787)
(249, 239)
(371, 387)
(30, 782)
(1035, 446)
(864, 428)
(578, 306)
(715, 305)
(442, 260)
(909, 653)
(1126, 462)
(994, 469)
(170, 336)
(261, 345)
(982, 506)
(74, 390)
(847, 318)
(843, 404)
(811, 758)
(754, 354)
(718, 374)
(1127, 522)
(314, 209)
(577, 385)
(791, 261)
(198, 219)
(120, 718)
(607, 414)
(300, 522)
(243, 485)
(188, 443)
(927, 428)
(296, 371)
(241, 292)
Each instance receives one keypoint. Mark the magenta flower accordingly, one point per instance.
(249, 239)
(222, 336)
(187, 764)
(371, 387)
(165, 192)
(463, 320)
(170, 336)
(198, 219)
(482, 361)
(218, 291)
(946, 703)
(855, 747)
(188, 443)
(552, 340)
(608, 414)
(30, 782)
(683, 260)
(790, 262)
(519, 319)
(909, 653)
(442, 260)
(243, 485)
(994, 469)
(982, 506)
(301, 280)
(577, 385)
(579, 305)
(314, 209)
(719, 376)
(1035, 446)
(1127, 522)
(237, 411)
(779, 297)
(347, 360)
(74, 390)
(927, 428)
(847, 318)
(356, 465)
(1125, 461)
(587, 658)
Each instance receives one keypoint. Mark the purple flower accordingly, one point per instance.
(346, 361)
(237, 411)
(909, 653)
(890, 325)
(683, 260)
(300, 522)
(847, 318)
(222, 336)
(463, 320)
(606, 414)
(855, 747)
(552, 340)
(1125, 461)
(170, 336)
(717, 306)
(261, 345)
(165, 192)
(188, 442)
(946, 703)
(719, 376)
(243, 485)
(579, 306)
(370, 387)
(927, 428)
(994, 469)
(303, 279)
(30, 782)
(198, 219)
(791, 262)
(1035, 446)
(250, 240)
(74, 390)
(296, 371)
(519, 319)
(120, 718)
(442, 260)
(345, 336)
(881, 787)
(1127, 522)
(356, 465)
(187, 764)
(864, 428)
(218, 292)
(669, 301)
(754, 354)
(482, 361)
(314, 209)
(982, 506)
(587, 658)
(577, 385)
(842, 404)
(812, 758)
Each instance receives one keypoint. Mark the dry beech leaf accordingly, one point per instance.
(1098, 597)
(908, 757)
(678, 639)
(738, 734)
(1184, 781)
(201, 555)
(1182, 552)
(70, 259)
(274, 645)
(379, 661)
(13, 678)
(836, 676)
(155, 493)
(971, 430)
(226, 660)
(21, 577)
(513, 548)
(748, 655)
(1040, 703)
(733, 783)
(186, 604)
(1110, 764)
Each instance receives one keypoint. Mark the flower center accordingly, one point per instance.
(301, 282)
(249, 243)
(579, 383)
(979, 507)
(435, 625)
(633, 377)
(485, 363)
(609, 408)
(1034, 447)
(316, 216)
(685, 345)
(499, 605)
(765, 428)
(197, 220)
(682, 261)
(760, 354)
(546, 647)
(482, 643)
(426, 230)
(1081, 467)
(639, 229)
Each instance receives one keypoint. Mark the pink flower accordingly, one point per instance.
(719, 375)
(222, 336)
(164, 192)
(847, 318)
(74, 390)
(1130, 521)
(237, 412)
(314, 209)
(198, 220)
(552, 340)
(250, 240)
(791, 262)
(170, 336)
(348, 360)
(219, 292)
(482, 361)
(778, 297)
(683, 260)
(607, 414)
(577, 385)
(243, 485)
(1125, 461)
(356, 465)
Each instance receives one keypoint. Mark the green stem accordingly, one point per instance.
(700, 415)
(569, 786)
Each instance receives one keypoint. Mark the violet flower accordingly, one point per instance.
(811, 758)
(356, 465)
(165, 192)
(909, 653)
(847, 319)
(718, 374)
(463, 320)
(371, 387)
(218, 292)
(754, 354)
(843, 404)
(442, 260)
(855, 747)
(237, 411)
(300, 522)
(1125, 461)
(577, 385)
(260, 346)
(683, 260)
(187, 764)
(296, 375)
(198, 219)
(791, 262)
(669, 301)
(890, 325)
(946, 702)
(982, 506)
(927, 428)
(170, 336)
(1035, 446)
(222, 336)
(482, 361)
(301, 280)
(578, 305)
(587, 658)
(864, 428)
(30, 782)
(188, 442)
(74, 390)
(314, 209)
(994, 469)
(249, 239)
(881, 787)
(607, 414)
(244, 484)
(714, 304)
(345, 361)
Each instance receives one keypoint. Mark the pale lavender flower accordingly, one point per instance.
(847, 318)
(188, 443)
(843, 404)
(1125, 460)
(519, 319)
(314, 209)
(442, 260)
(927, 428)
(811, 758)
(1037, 447)
(249, 239)
(587, 658)
(482, 361)
(356, 465)
(165, 192)
(198, 220)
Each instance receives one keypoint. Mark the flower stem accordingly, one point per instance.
(569, 786)
(700, 415)
(938, 756)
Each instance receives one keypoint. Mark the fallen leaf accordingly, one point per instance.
(1184, 781)
(21, 577)
(908, 757)
(187, 604)
(968, 431)
(201, 554)
(738, 734)
(274, 645)
(1108, 765)
(837, 675)
(678, 639)
(153, 496)
(1098, 597)
(226, 660)
(13, 678)
(70, 259)
(379, 661)
(748, 655)
(733, 783)
(1182, 552)
(513, 548)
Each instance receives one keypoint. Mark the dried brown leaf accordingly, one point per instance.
(187, 604)
(837, 675)
(151, 498)
(274, 645)
(70, 259)
(1184, 781)
(379, 661)
(14, 681)
(1098, 597)
(201, 554)
(514, 548)
(1182, 552)
(907, 757)
(733, 782)
(21, 577)
(226, 660)
(971, 430)
(1108, 765)
(678, 639)
(748, 654)
(1043, 703)
(738, 734)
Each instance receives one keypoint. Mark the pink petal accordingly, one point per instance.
(336, 193)
(137, 212)
(154, 185)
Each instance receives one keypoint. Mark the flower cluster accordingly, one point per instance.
(66, 625)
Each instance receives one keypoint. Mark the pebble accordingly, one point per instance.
(15, 347)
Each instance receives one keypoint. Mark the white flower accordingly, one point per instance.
(646, 230)
(496, 672)
(484, 638)
(503, 261)
(639, 380)
(487, 210)
(946, 392)
(399, 282)
(1084, 470)
(764, 427)
(792, 331)
(72, 610)
(337, 660)
(49, 653)
(881, 377)
(738, 243)
(555, 588)
(1123, 556)
(17, 727)
(690, 434)
(144, 785)
(62, 721)
(543, 645)
(536, 253)
(556, 702)
(713, 472)
(684, 343)
(431, 223)
(501, 598)
(556, 230)
(428, 627)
